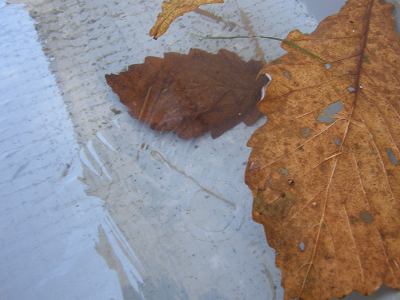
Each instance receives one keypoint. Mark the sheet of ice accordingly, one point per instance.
(50, 247)
(98, 202)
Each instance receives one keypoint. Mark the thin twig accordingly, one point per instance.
(285, 41)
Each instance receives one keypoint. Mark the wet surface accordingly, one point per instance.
(179, 214)
(177, 203)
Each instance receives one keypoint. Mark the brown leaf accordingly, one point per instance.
(172, 9)
(324, 170)
(192, 94)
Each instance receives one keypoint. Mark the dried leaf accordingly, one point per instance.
(324, 170)
(171, 10)
(192, 94)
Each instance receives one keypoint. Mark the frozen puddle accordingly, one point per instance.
(155, 217)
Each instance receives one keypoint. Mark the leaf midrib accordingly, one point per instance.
(358, 73)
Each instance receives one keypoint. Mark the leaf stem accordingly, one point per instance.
(285, 41)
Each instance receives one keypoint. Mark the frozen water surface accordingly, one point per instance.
(94, 204)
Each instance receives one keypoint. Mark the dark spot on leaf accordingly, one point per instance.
(306, 132)
(279, 208)
(284, 171)
(351, 89)
(287, 75)
(338, 141)
(366, 217)
(353, 220)
(301, 246)
(393, 159)
(328, 115)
